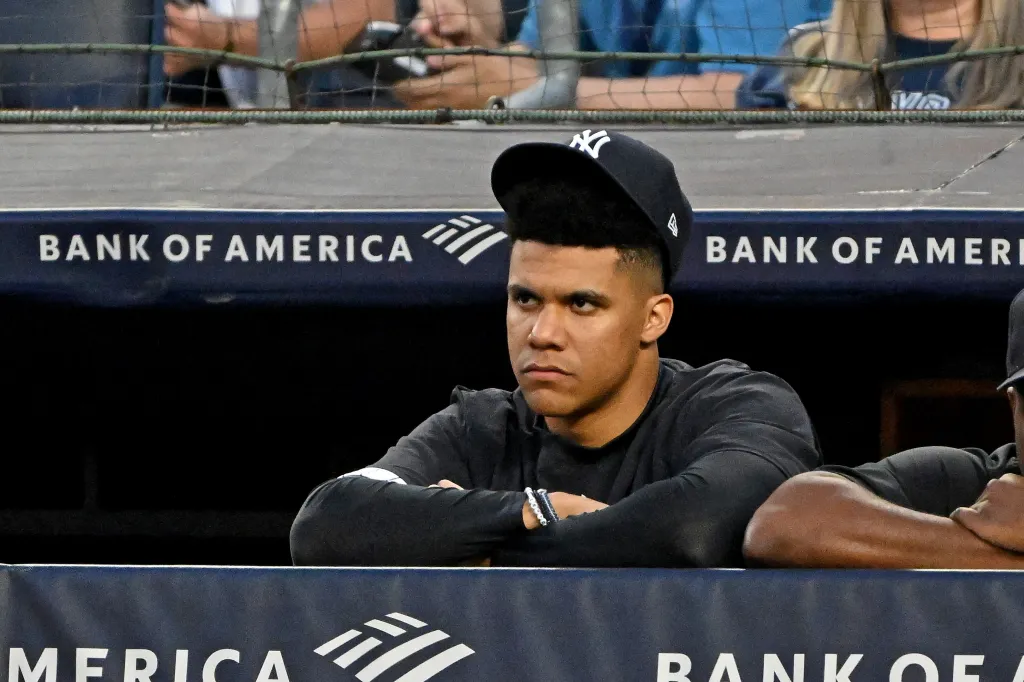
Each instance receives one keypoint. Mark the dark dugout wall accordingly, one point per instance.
(191, 436)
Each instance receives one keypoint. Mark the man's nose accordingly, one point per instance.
(548, 328)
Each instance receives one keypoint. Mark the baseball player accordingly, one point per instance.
(606, 454)
(929, 507)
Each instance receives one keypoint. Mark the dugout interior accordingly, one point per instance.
(191, 435)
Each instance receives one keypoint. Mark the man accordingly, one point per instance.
(933, 507)
(651, 462)
(732, 27)
(326, 27)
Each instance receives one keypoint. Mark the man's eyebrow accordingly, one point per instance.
(595, 297)
(517, 289)
(591, 295)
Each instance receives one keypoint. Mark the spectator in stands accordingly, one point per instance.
(652, 462)
(933, 507)
(326, 27)
(746, 27)
(898, 29)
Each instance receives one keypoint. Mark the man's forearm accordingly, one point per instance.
(716, 90)
(324, 29)
(695, 519)
(356, 521)
(823, 520)
(617, 536)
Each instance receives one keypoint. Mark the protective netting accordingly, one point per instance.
(506, 61)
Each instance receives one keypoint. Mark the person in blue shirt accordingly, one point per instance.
(893, 30)
(742, 27)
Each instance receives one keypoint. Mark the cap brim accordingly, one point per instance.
(1013, 378)
(530, 160)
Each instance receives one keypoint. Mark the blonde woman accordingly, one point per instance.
(863, 30)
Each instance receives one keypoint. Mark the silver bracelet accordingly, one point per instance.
(534, 507)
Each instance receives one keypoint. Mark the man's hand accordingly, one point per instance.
(465, 81)
(192, 26)
(572, 505)
(461, 22)
(997, 517)
(565, 505)
(445, 483)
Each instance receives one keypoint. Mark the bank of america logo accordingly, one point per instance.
(466, 237)
(353, 648)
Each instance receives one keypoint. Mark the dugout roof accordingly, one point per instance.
(345, 166)
(329, 212)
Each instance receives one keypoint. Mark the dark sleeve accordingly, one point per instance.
(405, 10)
(431, 452)
(931, 480)
(767, 86)
(758, 436)
(763, 88)
(383, 515)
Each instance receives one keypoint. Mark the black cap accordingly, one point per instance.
(1015, 343)
(646, 176)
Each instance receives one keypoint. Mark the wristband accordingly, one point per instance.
(531, 498)
(546, 506)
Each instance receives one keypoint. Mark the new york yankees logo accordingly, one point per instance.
(590, 143)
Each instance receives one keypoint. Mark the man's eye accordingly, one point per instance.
(582, 304)
(523, 298)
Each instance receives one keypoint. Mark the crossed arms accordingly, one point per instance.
(948, 513)
(686, 520)
(394, 514)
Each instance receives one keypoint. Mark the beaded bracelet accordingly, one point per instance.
(531, 498)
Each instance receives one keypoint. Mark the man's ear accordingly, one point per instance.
(659, 314)
(1014, 398)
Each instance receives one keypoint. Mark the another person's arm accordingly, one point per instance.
(324, 30)
(889, 514)
(714, 90)
(758, 436)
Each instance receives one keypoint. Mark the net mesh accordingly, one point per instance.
(505, 61)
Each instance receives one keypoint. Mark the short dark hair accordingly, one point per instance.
(588, 211)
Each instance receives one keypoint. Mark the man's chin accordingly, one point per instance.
(549, 403)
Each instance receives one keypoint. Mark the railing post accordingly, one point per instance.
(558, 24)
(278, 41)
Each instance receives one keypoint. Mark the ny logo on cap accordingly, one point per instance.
(590, 143)
(673, 227)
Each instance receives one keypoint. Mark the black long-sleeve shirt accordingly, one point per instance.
(933, 480)
(682, 483)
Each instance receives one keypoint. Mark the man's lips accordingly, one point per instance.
(543, 371)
